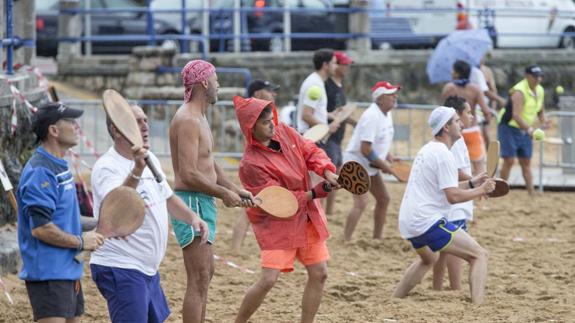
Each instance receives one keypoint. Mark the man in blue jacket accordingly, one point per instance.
(49, 229)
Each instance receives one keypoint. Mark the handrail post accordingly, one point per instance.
(206, 25)
(237, 26)
(150, 24)
(88, 28)
(10, 36)
(359, 26)
(69, 26)
(287, 27)
(185, 43)
(2, 3)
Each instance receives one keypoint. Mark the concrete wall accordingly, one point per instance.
(406, 67)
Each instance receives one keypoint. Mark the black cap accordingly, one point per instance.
(257, 85)
(534, 70)
(48, 114)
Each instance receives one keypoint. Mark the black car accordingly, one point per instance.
(108, 24)
(266, 24)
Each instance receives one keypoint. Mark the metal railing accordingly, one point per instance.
(563, 144)
(240, 30)
(12, 42)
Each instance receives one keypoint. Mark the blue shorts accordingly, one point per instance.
(131, 295)
(461, 224)
(514, 142)
(437, 238)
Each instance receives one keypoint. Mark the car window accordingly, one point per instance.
(121, 4)
(313, 4)
(46, 5)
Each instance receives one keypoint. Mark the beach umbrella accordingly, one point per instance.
(465, 45)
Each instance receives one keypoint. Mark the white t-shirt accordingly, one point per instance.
(373, 126)
(476, 77)
(424, 201)
(461, 211)
(144, 249)
(319, 106)
(286, 114)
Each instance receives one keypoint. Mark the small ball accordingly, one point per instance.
(538, 134)
(559, 90)
(314, 92)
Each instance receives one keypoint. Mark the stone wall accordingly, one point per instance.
(406, 67)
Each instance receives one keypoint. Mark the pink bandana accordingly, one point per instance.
(194, 72)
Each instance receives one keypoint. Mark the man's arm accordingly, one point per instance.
(308, 117)
(374, 160)
(470, 189)
(517, 101)
(483, 106)
(178, 210)
(51, 234)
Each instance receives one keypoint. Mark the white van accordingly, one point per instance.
(513, 23)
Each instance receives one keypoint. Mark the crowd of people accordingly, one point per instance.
(447, 174)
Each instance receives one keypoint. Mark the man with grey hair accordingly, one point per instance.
(432, 188)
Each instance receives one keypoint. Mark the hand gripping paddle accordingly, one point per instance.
(501, 185)
(277, 201)
(121, 115)
(401, 170)
(354, 178)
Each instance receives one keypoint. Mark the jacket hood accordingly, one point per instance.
(248, 111)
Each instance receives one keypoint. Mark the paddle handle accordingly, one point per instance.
(154, 170)
(12, 200)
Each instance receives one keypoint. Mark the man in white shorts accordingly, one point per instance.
(370, 145)
(431, 189)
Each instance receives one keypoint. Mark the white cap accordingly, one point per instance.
(439, 117)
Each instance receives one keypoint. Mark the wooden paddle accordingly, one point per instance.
(317, 132)
(492, 157)
(121, 115)
(401, 170)
(501, 185)
(344, 112)
(277, 201)
(8, 187)
(121, 213)
(354, 178)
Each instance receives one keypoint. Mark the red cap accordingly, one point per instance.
(342, 58)
(383, 87)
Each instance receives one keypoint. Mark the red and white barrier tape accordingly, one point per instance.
(75, 159)
(88, 144)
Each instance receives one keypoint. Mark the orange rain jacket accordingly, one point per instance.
(261, 167)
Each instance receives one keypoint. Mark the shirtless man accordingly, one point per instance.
(461, 86)
(198, 181)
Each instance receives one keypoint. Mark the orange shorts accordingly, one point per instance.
(315, 252)
(475, 145)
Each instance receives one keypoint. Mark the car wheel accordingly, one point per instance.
(568, 42)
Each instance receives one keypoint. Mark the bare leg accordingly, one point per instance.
(463, 246)
(379, 191)
(439, 271)
(415, 273)
(359, 205)
(241, 227)
(199, 263)
(486, 135)
(256, 294)
(454, 269)
(527, 175)
(506, 168)
(330, 202)
(317, 275)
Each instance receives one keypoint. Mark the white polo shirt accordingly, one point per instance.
(373, 126)
(144, 249)
(319, 105)
(461, 211)
(424, 201)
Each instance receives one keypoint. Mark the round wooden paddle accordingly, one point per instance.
(121, 213)
(501, 188)
(492, 157)
(354, 178)
(121, 115)
(317, 132)
(277, 201)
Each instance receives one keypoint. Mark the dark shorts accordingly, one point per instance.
(437, 238)
(131, 295)
(514, 142)
(333, 150)
(55, 298)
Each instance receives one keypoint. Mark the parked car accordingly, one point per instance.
(263, 22)
(109, 24)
